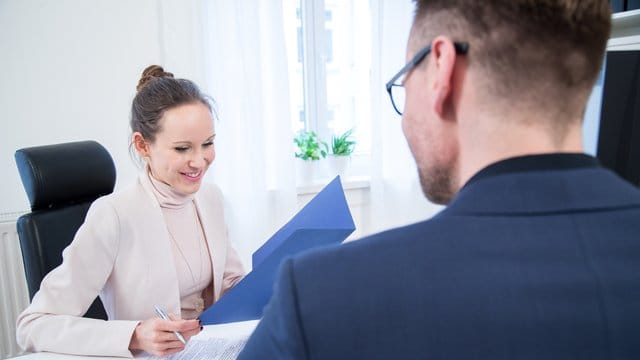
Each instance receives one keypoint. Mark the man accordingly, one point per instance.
(537, 254)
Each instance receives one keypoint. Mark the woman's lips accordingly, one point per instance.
(193, 176)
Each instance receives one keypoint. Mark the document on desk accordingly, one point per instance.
(220, 349)
(325, 220)
(215, 342)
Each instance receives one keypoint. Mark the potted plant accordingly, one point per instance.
(342, 147)
(309, 146)
(309, 149)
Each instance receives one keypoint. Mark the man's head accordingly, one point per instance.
(533, 61)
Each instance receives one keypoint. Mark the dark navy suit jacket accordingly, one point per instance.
(536, 258)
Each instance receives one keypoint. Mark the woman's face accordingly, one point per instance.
(183, 148)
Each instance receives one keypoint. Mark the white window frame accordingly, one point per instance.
(314, 67)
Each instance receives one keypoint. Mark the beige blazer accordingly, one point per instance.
(121, 253)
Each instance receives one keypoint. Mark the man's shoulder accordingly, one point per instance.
(382, 245)
(543, 192)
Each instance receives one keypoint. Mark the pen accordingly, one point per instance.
(161, 313)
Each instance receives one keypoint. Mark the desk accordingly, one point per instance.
(228, 337)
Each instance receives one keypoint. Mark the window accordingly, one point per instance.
(329, 56)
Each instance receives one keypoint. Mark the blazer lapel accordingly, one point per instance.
(215, 235)
(160, 259)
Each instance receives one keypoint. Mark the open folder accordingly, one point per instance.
(325, 220)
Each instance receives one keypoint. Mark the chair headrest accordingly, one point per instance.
(63, 174)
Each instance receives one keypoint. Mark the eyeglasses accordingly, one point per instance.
(396, 90)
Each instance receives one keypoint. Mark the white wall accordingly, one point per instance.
(69, 73)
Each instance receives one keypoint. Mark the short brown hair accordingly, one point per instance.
(543, 49)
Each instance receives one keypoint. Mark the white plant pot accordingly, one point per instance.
(338, 165)
(306, 171)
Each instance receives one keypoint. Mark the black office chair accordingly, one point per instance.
(61, 182)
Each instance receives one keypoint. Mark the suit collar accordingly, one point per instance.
(543, 184)
(539, 162)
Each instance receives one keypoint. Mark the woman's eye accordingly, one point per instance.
(181, 149)
(207, 144)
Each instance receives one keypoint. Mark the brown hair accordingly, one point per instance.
(159, 91)
(549, 51)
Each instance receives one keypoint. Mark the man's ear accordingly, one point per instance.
(444, 57)
(140, 144)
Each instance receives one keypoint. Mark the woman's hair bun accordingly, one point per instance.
(150, 73)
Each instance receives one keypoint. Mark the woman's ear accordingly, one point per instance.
(140, 144)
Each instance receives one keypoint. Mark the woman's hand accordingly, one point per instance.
(156, 337)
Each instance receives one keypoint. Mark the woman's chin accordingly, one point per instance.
(188, 188)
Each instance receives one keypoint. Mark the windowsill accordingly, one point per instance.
(623, 17)
(348, 183)
(625, 23)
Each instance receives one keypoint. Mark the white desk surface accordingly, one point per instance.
(237, 330)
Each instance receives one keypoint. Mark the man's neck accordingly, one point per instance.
(512, 139)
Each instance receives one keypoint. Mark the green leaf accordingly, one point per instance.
(309, 147)
(342, 144)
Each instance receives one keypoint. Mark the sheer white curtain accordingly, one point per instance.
(396, 196)
(246, 74)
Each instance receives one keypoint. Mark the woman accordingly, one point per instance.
(161, 241)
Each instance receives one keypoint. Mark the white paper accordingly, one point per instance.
(222, 342)
(221, 349)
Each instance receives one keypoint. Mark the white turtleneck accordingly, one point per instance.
(190, 251)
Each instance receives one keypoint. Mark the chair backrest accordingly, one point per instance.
(61, 182)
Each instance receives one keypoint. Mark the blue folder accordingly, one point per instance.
(325, 220)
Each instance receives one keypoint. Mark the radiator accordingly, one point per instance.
(13, 288)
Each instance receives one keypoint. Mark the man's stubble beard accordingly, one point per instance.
(438, 184)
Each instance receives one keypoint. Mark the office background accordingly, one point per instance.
(70, 69)
(69, 73)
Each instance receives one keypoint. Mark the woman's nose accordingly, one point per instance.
(201, 159)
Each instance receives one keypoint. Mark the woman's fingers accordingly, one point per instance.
(179, 325)
(188, 334)
(157, 336)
